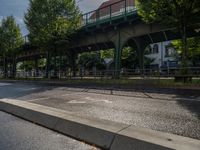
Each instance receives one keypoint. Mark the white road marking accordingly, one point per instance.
(76, 102)
(4, 84)
(27, 89)
(89, 100)
(98, 100)
(38, 99)
(74, 93)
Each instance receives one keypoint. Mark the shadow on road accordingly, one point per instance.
(17, 90)
(189, 99)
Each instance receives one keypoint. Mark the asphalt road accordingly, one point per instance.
(17, 134)
(163, 110)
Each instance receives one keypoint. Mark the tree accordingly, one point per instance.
(177, 13)
(89, 60)
(107, 53)
(194, 50)
(1, 49)
(30, 65)
(11, 40)
(129, 58)
(51, 20)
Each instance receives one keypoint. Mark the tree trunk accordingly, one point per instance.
(185, 48)
(60, 61)
(55, 66)
(55, 62)
(47, 64)
(185, 61)
(73, 64)
(36, 67)
(14, 68)
(5, 67)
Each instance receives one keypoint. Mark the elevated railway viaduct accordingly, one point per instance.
(115, 26)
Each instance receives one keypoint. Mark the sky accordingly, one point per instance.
(18, 8)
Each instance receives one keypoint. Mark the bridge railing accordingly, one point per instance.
(109, 12)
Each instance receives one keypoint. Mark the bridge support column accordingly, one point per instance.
(118, 52)
(141, 46)
(140, 52)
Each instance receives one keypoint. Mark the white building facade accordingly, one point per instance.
(163, 55)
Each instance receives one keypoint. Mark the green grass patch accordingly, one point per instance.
(124, 83)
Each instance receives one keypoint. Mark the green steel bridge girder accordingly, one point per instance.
(138, 43)
(127, 28)
(133, 33)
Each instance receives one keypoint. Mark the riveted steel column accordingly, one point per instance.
(141, 58)
(141, 45)
(118, 52)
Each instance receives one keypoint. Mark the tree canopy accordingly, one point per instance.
(10, 41)
(194, 50)
(89, 60)
(51, 20)
(177, 13)
(173, 12)
(11, 37)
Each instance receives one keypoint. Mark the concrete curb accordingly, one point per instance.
(102, 133)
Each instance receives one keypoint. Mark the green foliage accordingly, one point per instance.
(129, 58)
(89, 60)
(1, 41)
(174, 13)
(10, 37)
(127, 51)
(26, 65)
(51, 20)
(171, 12)
(107, 53)
(10, 42)
(194, 49)
(30, 65)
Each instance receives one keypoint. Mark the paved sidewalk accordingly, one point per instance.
(18, 134)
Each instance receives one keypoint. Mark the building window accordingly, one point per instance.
(155, 48)
(169, 51)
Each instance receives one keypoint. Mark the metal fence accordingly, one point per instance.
(124, 73)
